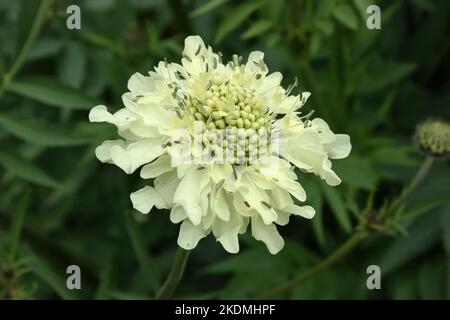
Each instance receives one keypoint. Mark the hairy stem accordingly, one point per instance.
(175, 275)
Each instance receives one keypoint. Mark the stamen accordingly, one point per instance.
(220, 184)
(198, 50)
(292, 86)
(268, 206)
(187, 57)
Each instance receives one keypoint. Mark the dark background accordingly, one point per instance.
(60, 206)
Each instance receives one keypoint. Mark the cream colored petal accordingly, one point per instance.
(151, 114)
(194, 46)
(207, 220)
(267, 234)
(136, 154)
(192, 61)
(140, 83)
(144, 199)
(204, 199)
(190, 235)
(220, 205)
(288, 104)
(260, 180)
(313, 161)
(140, 130)
(103, 151)
(189, 191)
(157, 167)
(305, 96)
(166, 184)
(258, 200)
(307, 212)
(177, 214)
(281, 179)
(283, 218)
(292, 186)
(122, 119)
(281, 198)
(322, 130)
(340, 148)
(100, 114)
(182, 169)
(328, 174)
(227, 233)
(255, 64)
(219, 172)
(303, 211)
(270, 83)
(239, 206)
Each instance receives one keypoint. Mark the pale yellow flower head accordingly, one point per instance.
(221, 141)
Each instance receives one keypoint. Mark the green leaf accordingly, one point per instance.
(381, 74)
(346, 15)
(400, 155)
(208, 6)
(51, 92)
(17, 223)
(37, 132)
(26, 170)
(27, 16)
(72, 65)
(336, 203)
(256, 29)
(357, 172)
(423, 207)
(423, 234)
(45, 48)
(233, 21)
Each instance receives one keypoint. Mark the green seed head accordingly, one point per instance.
(433, 137)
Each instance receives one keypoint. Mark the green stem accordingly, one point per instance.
(175, 275)
(31, 37)
(343, 250)
(415, 182)
(355, 239)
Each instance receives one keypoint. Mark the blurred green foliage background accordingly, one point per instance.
(60, 206)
